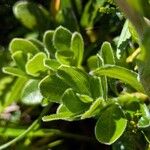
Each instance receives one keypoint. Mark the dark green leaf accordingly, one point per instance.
(48, 42)
(107, 54)
(38, 44)
(62, 39)
(77, 46)
(96, 87)
(72, 102)
(52, 88)
(121, 73)
(77, 79)
(111, 125)
(123, 40)
(65, 57)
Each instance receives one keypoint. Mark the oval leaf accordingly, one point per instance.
(77, 46)
(19, 44)
(111, 125)
(107, 54)
(62, 39)
(31, 15)
(31, 94)
(52, 88)
(48, 42)
(36, 65)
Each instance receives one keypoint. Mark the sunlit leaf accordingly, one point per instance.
(52, 64)
(120, 73)
(94, 109)
(85, 98)
(14, 71)
(31, 94)
(19, 44)
(36, 64)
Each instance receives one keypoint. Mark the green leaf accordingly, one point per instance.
(48, 42)
(15, 92)
(62, 39)
(36, 64)
(96, 88)
(85, 98)
(93, 62)
(143, 61)
(72, 102)
(19, 44)
(89, 14)
(65, 57)
(133, 33)
(31, 15)
(120, 73)
(31, 94)
(77, 79)
(77, 46)
(14, 72)
(94, 109)
(38, 44)
(107, 54)
(144, 121)
(111, 125)
(103, 78)
(100, 2)
(62, 108)
(123, 40)
(20, 59)
(44, 102)
(52, 64)
(52, 88)
(68, 116)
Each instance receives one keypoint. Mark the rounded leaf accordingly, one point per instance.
(111, 124)
(31, 94)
